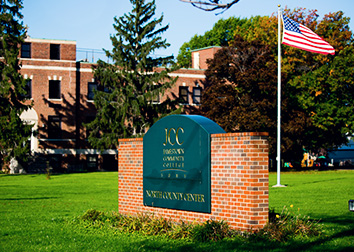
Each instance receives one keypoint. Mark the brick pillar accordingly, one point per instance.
(130, 176)
(239, 176)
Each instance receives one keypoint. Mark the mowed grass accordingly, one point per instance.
(36, 214)
(321, 195)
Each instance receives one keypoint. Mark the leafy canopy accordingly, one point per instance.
(317, 89)
(240, 92)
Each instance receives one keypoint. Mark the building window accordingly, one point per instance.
(54, 89)
(197, 95)
(92, 162)
(95, 86)
(90, 89)
(183, 94)
(54, 51)
(28, 89)
(54, 127)
(26, 50)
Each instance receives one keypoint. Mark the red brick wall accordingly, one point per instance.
(40, 94)
(239, 185)
(68, 52)
(41, 50)
(204, 55)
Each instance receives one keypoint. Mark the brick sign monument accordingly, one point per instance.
(187, 168)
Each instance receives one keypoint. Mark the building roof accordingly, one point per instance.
(205, 48)
(53, 41)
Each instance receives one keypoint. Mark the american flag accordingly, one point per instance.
(299, 36)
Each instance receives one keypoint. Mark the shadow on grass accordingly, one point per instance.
(225, 245)
(323, 244)
(339, 239)
(30, 198)
(328, 243)
(324, 180)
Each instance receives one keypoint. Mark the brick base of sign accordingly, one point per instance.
(239, 181)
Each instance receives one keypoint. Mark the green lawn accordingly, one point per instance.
(35, 214)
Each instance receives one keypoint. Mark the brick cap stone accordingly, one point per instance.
(130, 139)
(241, 134)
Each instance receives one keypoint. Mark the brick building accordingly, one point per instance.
(61, 89)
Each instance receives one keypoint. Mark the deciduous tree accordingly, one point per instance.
(240, 92)
(322, 85)
(317, 89)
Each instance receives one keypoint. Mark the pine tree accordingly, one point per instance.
(127, 100)
(13, 132)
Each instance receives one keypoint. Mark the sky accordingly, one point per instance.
(90, 23)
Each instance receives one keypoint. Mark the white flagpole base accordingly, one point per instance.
(279, 186)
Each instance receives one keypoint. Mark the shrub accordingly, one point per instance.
(281, 227)
(211, 230)
(182, 230)
(149, 224)
(91, 215)
(157, 226)
(287, 225)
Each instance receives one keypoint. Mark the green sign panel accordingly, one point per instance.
(176, 171)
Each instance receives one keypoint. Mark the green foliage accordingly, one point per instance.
(157, 226)
(314, 90)
(240, 89)
(281, 227)
(321, 86)
(149, 224)
(288, 225)
(14, 133)
(128, 87)
(92, 215)
(317, 89)
(211, 230)
(326, 94)
(181, 231)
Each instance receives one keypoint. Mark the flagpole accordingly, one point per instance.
(279, 103)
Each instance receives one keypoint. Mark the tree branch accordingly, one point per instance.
(211, 5)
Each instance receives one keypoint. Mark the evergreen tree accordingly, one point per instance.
(13, 132)
(127, 99)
